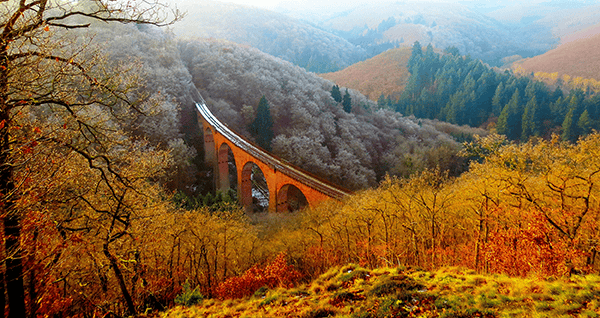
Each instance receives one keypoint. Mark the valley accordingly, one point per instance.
(465, 133)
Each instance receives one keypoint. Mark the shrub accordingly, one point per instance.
(189, 297)
(277, 274)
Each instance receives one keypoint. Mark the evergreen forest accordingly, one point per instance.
(465, 91)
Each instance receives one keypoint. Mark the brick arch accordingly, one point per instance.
(280, 175)
(245, 185)
(290, 198)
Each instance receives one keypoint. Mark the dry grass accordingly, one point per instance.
(578, 58)
(385, 73)
(391, 292)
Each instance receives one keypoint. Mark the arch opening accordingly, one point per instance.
(254, 189)
(290, 199)
(227, 178)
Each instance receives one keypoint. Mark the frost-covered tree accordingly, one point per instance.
(310, 128)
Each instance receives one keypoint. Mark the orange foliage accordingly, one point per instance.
(531, 246)
(277, 274)
(386, 73)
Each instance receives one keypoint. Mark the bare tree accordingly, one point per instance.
(43, 67)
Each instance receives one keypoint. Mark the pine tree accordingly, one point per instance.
(262, 126)
(509, 122)
(568, 133)
(585, 122)
(417, 53)
(347, 102)
(336, 94)
(529, 124)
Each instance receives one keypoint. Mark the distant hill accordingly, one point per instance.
(385, 73)
(380, 26)
(560, 17)
(578, 58)
(273, 33)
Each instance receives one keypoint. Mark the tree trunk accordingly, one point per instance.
(14, 265)
(2, 293)
(120, 279)
(12, 219)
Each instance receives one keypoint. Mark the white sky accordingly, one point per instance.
(271, 4)
(268, 4)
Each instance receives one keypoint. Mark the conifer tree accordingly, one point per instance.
(530, 127)
(381, 101)
(568, 132)
(347, 102)
(336, 94)
(509, 122)
(585, 122)
(417, 53)
(262, 126)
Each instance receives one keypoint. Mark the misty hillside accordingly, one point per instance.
(577, 58)
(386, 73)
(270, 32)
(380, 26)
(311, 130)
(561, 17)
(441, 24)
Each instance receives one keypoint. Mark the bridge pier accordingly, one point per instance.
(223, 168)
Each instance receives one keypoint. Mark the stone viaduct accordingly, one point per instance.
(287, 184)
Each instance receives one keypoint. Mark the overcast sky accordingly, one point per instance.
(271, 4)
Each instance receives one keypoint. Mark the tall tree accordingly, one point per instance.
(336, 94)
(37, 73)
(347, 102)
(568, 126)
(530, 126)
(262, 126)
(417, 53)
(509, 122)
(585, 122)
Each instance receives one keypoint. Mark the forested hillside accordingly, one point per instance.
(311, 129)
(270, 32)
(461, 90)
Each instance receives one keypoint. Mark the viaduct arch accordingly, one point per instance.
(284, 181)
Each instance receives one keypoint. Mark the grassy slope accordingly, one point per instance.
(577, 58)
(385, 73)
(352, 291)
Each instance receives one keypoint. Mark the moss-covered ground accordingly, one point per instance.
(353, 291)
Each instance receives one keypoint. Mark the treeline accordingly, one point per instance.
(521, 209)
(465, 91)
